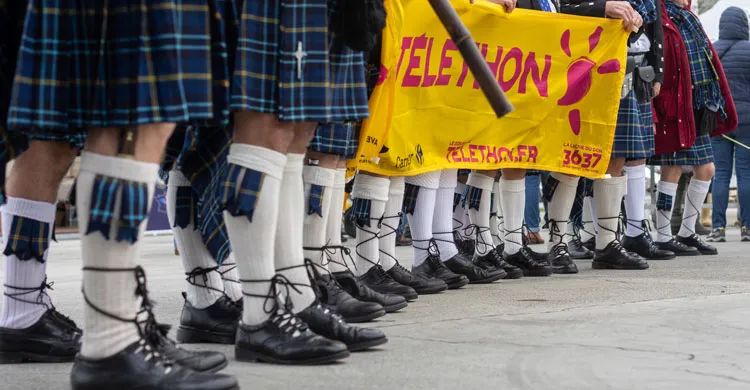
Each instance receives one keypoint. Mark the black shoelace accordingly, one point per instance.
(148, 329)
(203, 273)
(391, 228)
(42, 298)
(499, 222)
(232, 267)
(281, 313)
(329, 253)
(560, 247)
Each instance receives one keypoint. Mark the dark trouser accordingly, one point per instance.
(727, 154)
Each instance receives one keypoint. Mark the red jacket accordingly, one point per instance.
(673, 108)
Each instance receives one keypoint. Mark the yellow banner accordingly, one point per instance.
(562, 73)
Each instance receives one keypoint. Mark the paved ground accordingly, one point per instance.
(683, 324)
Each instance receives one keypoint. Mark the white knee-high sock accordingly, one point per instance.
(479, 201)
(694, 197)
(664, 207)
(608, 194)
(634, 200)
(318, 187)
(231, 278)
(253, 239)
(110, 291)
(496, 216)
(22, 275)
(391, 220)
(290, 258)
(205, 289)
(459, 211)
(419, 206)
(338, 261)
(442, 222)
(513, 197)
(370, 194)
(589, 224)
(559, 206)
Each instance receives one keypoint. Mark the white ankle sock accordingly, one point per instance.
(29, 273)
(317, 210)
(231, 278)
(420, 210)
(290, 258)
(694, 198)
(205, 289)
(459, 211)
(391, 220)
(110, 291)
(513, 198)
(496, 216)
(370, 194)
(338, 261)
(559, 206)
(634, 199)
(480, 187)
(664, 208)
(253, 239)
(589, 224)
(608, 194)
(442, 222)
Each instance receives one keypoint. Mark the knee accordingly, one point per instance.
(302, 135)
(616, 166)
(55, 157)
(704, 172)
(514, 173)
(264, 130)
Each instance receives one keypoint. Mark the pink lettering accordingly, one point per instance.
(445, 63)
(514, 54)
(405, 44)
(532, 68)
(464, 72)
(492, 152)
(472, 149)
(429, 79)
(414, 60)
(533, 153)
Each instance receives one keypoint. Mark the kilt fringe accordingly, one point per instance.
(361, 211)
(549, 188)
(410, 198)
(473, 197)
(664, 202)
(185, 207)
(28, 239)
(456, 200)
(315, 200)
(134, 203)
(241, 200)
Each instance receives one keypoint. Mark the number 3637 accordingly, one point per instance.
(583, 160)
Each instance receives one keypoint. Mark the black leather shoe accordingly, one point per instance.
(578, 251)
(461, 265)
(590, 244)
(560, 260)
(614, 256)
(540, 257)
(286, 339)
(139, 366)
(645, 247)
(377, 279)
(696, 242)
(214, 324)
(200, 361)
(49, 340)
(358, 290)
(526, 261)
(495, 260)
(420, 283)
(678, 248)
(352, 309)
(330, 325)
(434, 268)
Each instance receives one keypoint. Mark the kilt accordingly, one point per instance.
(341, 139)
(698, 154)
(288, 65)
(634, 135)
(119, 63)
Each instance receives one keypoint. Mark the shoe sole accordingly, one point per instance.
(367, 344)
(596, 265)
(514, 274)
(661, 258)
(244, 355)
(707, 253)
(563, 271)
(491, 279)
(457, 284)
(410, 297)
(218, 368)
(26, 357)
(688, 254)
(365, 318)
(582, 257)
(188, 335)
(537, 273)
(433, 290)
(395, 307)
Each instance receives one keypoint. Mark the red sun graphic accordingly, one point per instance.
(580, 76)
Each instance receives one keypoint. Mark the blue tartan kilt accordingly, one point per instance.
(634, 135)
(698, 154)
(288, 65)
(341, 139)
(120, 63)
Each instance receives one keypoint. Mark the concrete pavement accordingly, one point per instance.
(683, 324)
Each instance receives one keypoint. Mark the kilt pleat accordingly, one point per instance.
(341, 139)
(700, 153)
(634, 135)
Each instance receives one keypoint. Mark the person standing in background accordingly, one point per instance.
(733, 48)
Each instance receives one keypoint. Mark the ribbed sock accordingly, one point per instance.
(608, 194)
(370, 194)
(559, 206)
(479, 201)
(694, 198)
(338, 261)
(442, 222)
(391, 220)
(664, 208)
(318, 187)
(634, 199)
(513, 195)
(420, 212)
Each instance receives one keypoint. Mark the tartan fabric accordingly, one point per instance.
(410, 198)
(706, 90)
(117, 63)
(27, 239)
(473, 197)
(548, 191)
(587, 186)
(700, 153)
(456, 200)
(361, 211)
(315, 200)
(172, 151)
(185, 207)
(341, 139)
(287, 64)
(646, 8)
(634, 136)
(241, 198)
(664, 201)
(576, 212)
(134, 203)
